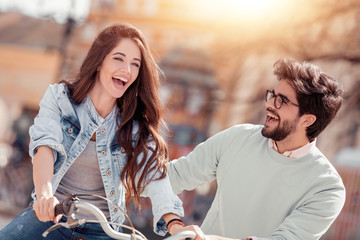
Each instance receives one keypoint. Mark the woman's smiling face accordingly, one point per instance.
(120, 68)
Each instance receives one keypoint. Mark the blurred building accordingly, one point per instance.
(190, 96)
(29, 62)
(29, 57)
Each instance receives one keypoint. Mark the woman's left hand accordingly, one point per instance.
(179, 228)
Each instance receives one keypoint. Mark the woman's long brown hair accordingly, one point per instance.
(140, 103)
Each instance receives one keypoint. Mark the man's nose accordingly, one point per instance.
(269, 103)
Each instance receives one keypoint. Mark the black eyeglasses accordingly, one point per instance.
(278, 99)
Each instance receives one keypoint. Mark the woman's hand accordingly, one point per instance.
(176, 228)
(44, 208)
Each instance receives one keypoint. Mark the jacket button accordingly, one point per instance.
(122, 149)
(103, 153)
(108, 173)
(71, 130)
(116, 210)
(102, 131)
(112, 193)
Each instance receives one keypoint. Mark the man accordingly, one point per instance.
(273, 182)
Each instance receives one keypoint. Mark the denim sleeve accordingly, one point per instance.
(46, 130)
(163, 201)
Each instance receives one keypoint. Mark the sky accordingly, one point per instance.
(59, 10)
(234, 9)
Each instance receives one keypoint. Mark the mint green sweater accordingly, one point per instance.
(261, 192)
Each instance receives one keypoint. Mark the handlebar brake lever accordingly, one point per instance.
(69, 224)
(67, 207)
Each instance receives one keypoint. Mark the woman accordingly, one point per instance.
(99, 135)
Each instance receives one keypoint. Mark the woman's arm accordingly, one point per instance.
(214, 237)
(43, 168)
(178, 226)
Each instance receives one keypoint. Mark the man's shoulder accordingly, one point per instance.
(323, 163)
(245, 129)
(240, 133)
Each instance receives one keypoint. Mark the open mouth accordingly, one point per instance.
(119, 81)
(271, 117)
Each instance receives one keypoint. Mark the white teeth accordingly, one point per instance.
(121, 79)
(273, 116)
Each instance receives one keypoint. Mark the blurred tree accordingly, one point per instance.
(331, 34)
(324, 32)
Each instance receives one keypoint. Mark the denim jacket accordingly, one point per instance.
(66, 128)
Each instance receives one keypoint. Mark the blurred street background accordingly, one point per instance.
(217, 57)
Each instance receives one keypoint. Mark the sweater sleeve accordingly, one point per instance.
(199, 166)
(314, 216)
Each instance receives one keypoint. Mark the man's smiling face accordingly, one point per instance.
(282, 122)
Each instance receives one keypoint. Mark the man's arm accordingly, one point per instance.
(198, 167)
(313, 218)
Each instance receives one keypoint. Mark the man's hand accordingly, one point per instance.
(199, 234)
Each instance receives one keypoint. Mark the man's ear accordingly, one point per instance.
(308, 120)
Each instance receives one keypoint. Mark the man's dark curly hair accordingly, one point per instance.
(316, 92)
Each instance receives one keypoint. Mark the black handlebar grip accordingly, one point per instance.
(59, 209)
(65, 207)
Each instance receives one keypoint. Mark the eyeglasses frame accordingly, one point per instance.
(274, 96)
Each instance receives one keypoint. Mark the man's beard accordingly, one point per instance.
(280, 132)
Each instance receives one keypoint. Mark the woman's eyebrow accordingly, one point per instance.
(120, 53)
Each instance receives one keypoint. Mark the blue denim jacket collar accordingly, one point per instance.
(95, 117)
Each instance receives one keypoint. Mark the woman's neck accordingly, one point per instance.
(103, 105)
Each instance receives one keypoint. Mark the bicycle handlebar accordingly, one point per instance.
(71, 205)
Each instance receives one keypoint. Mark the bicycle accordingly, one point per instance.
(71, 205)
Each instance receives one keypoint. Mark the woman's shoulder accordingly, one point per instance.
(54, 92)
(57, 88)
(60, 91)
